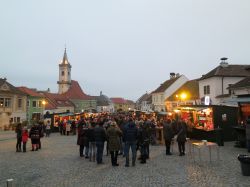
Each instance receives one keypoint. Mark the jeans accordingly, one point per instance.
(87, 151)
(81, 148)
(92, 151)
(99, 151)
(133, 148)
(18, 144)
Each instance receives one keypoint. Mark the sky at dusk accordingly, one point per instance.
(120, 47)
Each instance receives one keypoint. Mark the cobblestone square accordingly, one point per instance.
(58, 164)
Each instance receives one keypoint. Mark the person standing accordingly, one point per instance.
(168, 135)
(113, 136)
(68, 126)
(143, 141)
(130, 138)
(19, 137)
(34, 136)
(100, 137)
(80, 137)
(91, 138)
(181, 136)
(25, 137)
(47, 128)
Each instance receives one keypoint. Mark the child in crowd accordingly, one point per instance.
(25, 136)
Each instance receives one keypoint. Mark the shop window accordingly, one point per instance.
(34, 104)
(20, 103)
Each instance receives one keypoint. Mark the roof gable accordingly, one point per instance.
(191, 88)
(164, 86)
(241, 84)
(9, 88)
(228, 71)
(75, 92)
(29, 91)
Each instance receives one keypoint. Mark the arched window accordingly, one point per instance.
(62, 73)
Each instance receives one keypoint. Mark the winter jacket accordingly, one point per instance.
(182, 134)
(99, 134)
(168, 131)
(113, 135)
(25, 136)
(91, 135)
(130, 132)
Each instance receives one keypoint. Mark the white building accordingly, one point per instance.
(216, 82)
(144, 103)
(165, 90)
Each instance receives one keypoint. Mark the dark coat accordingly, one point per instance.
(113, 135)
(168, 131)
(130, 132)
(182, 134)
(91, 135)
(80, 137)
(100, 134)
(143, 136)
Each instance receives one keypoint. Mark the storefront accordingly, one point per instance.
(203, 121)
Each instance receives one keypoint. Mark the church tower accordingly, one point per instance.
(64, 74)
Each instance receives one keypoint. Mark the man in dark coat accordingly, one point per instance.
(80, 137)
(143, 142)
(100, 138)
(130, 138)
(181, 136)
(168, 135)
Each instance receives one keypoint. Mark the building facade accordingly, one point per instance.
(13, 104)
(165, 90)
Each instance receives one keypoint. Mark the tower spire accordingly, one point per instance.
(65, 57)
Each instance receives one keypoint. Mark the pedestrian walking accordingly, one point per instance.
(47, 128)
(91, 138)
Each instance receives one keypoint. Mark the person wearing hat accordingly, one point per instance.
(113, 136)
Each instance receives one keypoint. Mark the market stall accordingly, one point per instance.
(205, 122)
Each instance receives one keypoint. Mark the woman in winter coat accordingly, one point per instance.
(113, 135)
(181, 137)
(34, 136)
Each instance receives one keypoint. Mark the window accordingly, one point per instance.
(1, 102)
(28, 103)
(18, 119)
(7, 102)
(40, 104)
(69, 73)
(62, 73)
(20, 103)
(206, 89)
(34, 104)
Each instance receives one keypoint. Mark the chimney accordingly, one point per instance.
(223, 62)
(172, 75)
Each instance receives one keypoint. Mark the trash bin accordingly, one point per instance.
(245, 164)
(219, 136)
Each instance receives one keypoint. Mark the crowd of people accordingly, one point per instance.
(122, 134)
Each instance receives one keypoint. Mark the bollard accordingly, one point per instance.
(10, 183)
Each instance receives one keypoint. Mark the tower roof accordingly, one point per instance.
(65, 60)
